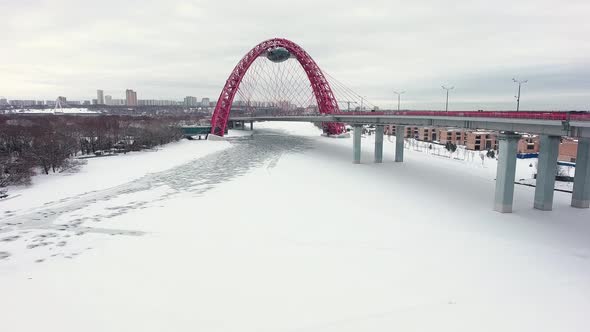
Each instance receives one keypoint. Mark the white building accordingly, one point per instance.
(158, 102)
(108, 100)
(118, 102)
(22, 103)
(100, 97)
(205, 102)
(190, 101)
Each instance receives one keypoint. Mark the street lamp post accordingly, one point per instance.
(518, 96)
(363, 99)
(447, 103)
(398, 97)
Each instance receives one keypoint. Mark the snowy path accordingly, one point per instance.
(52, 224)
(303, 240)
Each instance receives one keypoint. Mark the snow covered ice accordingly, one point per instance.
(281, 232)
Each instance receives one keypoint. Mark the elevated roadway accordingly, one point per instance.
(551, 126)
(541, 123)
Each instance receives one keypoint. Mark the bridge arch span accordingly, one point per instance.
(322, 91)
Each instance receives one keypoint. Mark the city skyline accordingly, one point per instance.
(103, 98)
(374, 47)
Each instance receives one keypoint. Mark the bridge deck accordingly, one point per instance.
(549, 123)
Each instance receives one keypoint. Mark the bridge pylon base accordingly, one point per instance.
(379, 143)
(581, 192)
(505, 172)
(547, 169)
(356, 144)
(399, 143)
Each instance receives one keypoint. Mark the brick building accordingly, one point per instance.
(529, 144)
(453, 135)
(484, 140)
(481, 140)
(412, 132)
(427, 134)
(568, 148)
(389, 129)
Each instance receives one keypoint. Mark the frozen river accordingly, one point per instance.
(84, 213)
(281, 232)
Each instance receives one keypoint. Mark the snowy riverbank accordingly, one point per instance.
(102, 173)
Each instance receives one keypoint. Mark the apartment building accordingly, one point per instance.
(481, 140)
(453, 135)
(568, 149)
(427, 134)
(529, 144)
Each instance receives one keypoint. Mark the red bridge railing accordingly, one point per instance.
(558, 116)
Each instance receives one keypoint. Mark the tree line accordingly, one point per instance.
(49, 143)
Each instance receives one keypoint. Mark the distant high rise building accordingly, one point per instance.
(62, 100)
(3, 102)
(205, 102)
(190, 101)
(100, 97)
(108, 100)
(131, 97)
(158, 102)
(22, 103)
(119, 102)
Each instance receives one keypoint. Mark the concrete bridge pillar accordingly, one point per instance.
(547, 169)
(379, 143)
(581, 193)
(356, 143)
(505, 172)
(251, 125)
(399, 143)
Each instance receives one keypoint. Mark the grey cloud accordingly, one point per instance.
(177, 48)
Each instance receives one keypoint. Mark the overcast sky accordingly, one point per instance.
(170, 49)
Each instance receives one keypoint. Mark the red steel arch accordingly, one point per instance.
(321, 88)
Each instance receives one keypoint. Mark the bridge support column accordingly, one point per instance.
(356, 144)
(399, 143)
(546, 172)
(505, 172)
(379, 143)
(581, 193)
(251, 125)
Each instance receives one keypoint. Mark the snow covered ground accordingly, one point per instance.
(73, 110)
(281, 232)
(105, 172)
